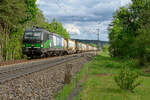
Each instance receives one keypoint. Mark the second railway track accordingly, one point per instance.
(19, 70)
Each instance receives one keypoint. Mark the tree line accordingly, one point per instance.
(15, 17)
(129, 32)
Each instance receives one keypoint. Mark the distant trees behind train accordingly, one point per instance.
(15, 17)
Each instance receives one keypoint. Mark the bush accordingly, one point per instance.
(106, 47)
(127, 79)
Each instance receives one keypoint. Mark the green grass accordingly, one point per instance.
(67, 89)
(104, 88)
(100, 84)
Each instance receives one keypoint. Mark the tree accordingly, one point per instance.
(58, 28)
(11, 15)
(31, 10)
(15, 17)
(130, 33)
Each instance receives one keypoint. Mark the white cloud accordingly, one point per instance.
(89, 30)
(81, 17)
(125, 2)
(72, 29)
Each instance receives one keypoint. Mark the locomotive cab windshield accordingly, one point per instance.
(34, 35)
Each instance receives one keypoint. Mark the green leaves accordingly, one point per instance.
(129, 32)
(12, 12)
(58, 28)
(15, 17)
(32, 10)
(127, 79)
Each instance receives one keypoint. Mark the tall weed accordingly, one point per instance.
(127, 79)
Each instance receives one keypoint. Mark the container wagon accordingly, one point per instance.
(41, 43)
(70, 46)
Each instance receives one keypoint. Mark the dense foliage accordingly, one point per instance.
(130, 32)
(127, 79)
(57, 27)
(15, 17)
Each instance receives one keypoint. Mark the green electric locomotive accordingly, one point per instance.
(40, 43)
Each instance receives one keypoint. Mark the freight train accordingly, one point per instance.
(41, 43)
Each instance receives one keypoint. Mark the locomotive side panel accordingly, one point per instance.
(58, 42)
(56, 45)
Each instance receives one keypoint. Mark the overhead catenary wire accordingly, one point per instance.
(59, 5)
(64, 9)
(67, 12)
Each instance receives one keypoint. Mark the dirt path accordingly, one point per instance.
(78, 87)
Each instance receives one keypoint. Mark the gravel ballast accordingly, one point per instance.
(41, 85)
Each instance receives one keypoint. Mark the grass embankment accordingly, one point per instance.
(67, 89)
(100, 84)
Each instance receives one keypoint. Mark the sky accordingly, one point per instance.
(82, 18)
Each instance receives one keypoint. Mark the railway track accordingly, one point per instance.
(23, 61)
(19, 70)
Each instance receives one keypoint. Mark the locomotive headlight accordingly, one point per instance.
(41, 45)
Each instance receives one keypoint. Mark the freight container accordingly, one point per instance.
(87, 47)
(65, 44)
(83, 47)
(95, 48)
(70, 46)
(78, 47)
(90, 48)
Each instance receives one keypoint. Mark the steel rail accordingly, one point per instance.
(26, 69)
